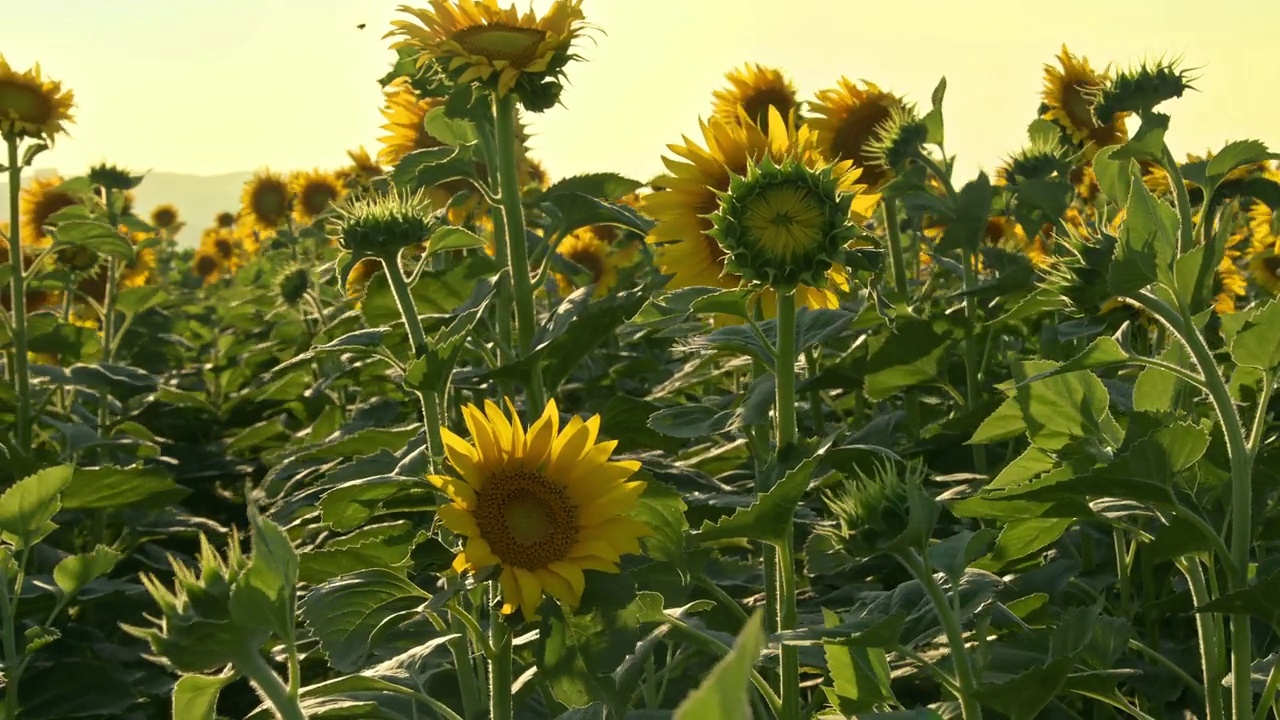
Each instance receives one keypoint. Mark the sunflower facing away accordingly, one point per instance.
(207, 266)
(846, 119)
(1068, 101)
(224, 219)
(479, 41)
(688, 195)
(404, 112)
(164, 216)
(544, 503)
(755, 88)
(39, 201)
(266, 200)
(32, 106)
(313, 193)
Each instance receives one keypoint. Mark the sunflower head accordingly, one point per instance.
(141, 269)
(500, 49)
(362, 170)
(266, 200)
(382, 225)
(225, 220)
(1139, 90)
(847, 118)
(544, 503)
(314, 192)
(591, 248)
(899, 139)
(1043, 158)
(1264, 268)
(113, 178)
(1069, 96)
(165, 216)
(207, 266)
(755, 88)
(884, 510)
(292, 284)
(39, 201)
(32, 106)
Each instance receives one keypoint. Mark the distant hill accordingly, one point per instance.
(198, 197)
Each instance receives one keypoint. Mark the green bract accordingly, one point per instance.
(900, 138)
(1139, 90)
(383, 224)
(783, 225)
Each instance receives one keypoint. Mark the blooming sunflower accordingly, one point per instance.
(39, 201)
(266, 200)
(164, 216)
(544, 504)
(32, 106)
(1068, 100)
(224, 219)
(592, 249)
(755, 88)
(1232, 283)
(846, 121)
(1264, 268)
(689, 194)
(314, 192)
(404, 112)
(141, 269)
(207, 266)
(479, 41)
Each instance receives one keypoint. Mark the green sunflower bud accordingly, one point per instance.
(1139, 90)
(784, 225)
(195, 632)
(292, 284)
(885, 512)
(112, 177)
(1042, 159)
(382, 224)
(900, 138)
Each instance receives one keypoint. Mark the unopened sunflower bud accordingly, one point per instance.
(885, 512)
(382, 225)
(293, 284)
(1139, 90)
(113, 177)
(898, 139)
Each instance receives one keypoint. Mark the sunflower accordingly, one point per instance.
(544, 504)
(478, 41)
(207, 266)
(1264, 268)
(36, 299)
(1068, 101)
(404, 112)
(141, 269)
(224, 219)
(314, 192)
(1232, 283)
(164, 216)
(40, 200)
(592, 249)
(266, 200)
(32, 106)
(689, 193)
(361, 275)
(846, 121)
(755, 88)
(362, 169)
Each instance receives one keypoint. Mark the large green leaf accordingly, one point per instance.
(196, 696)
(27, 508)
(1147, 245)
(1063, 408)
(724, 693)
(96, 236)
(73, 572)
(106, 488)
(265, 594)
(1254, 335)
(769, 517)
(859, 675)
(913, 354)
(346, 612)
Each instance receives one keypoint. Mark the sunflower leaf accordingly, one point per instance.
(196, 696)
(972, 208)
(1236, 154)
(723, 695)
(96, 236)
(1115, 175)
(769, 518)
(27, 508)
(453, 238)
(933, 119)
(347, 612)
(1254, 336)
(453, 132)
(603, 186)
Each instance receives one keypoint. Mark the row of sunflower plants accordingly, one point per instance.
(806, 427)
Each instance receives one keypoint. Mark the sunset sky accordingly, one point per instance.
(214, 86)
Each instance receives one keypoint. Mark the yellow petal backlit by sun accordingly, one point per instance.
(1066, 98)
(755, 88)
(544, 503)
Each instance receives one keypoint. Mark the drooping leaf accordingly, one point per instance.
(723, 694)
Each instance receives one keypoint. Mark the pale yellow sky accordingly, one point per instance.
(213, 86)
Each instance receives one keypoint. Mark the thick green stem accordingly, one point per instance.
(1182, 325)
(785, 416)
(919, 568)
(500, 704)
(13, 661)
(1124, 586)
(1186, 230)
(893, 235)
(418, 342)
(466, 670)
(1210, 641)
(1269, 692)
(251, 663)
(17, 285)
(108, 338)
(517, 246)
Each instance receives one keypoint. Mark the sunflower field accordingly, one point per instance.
(805, 427)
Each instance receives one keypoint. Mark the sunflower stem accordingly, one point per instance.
(1209, 640)
(894, 238)
(1186, 229)
(500, 704)
(1184, 327)
(972, 391)
(17, 285)
(517, 246)
(251, 663)
(918, 566)
(418, 343)
(502, 310)
(785, 413)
